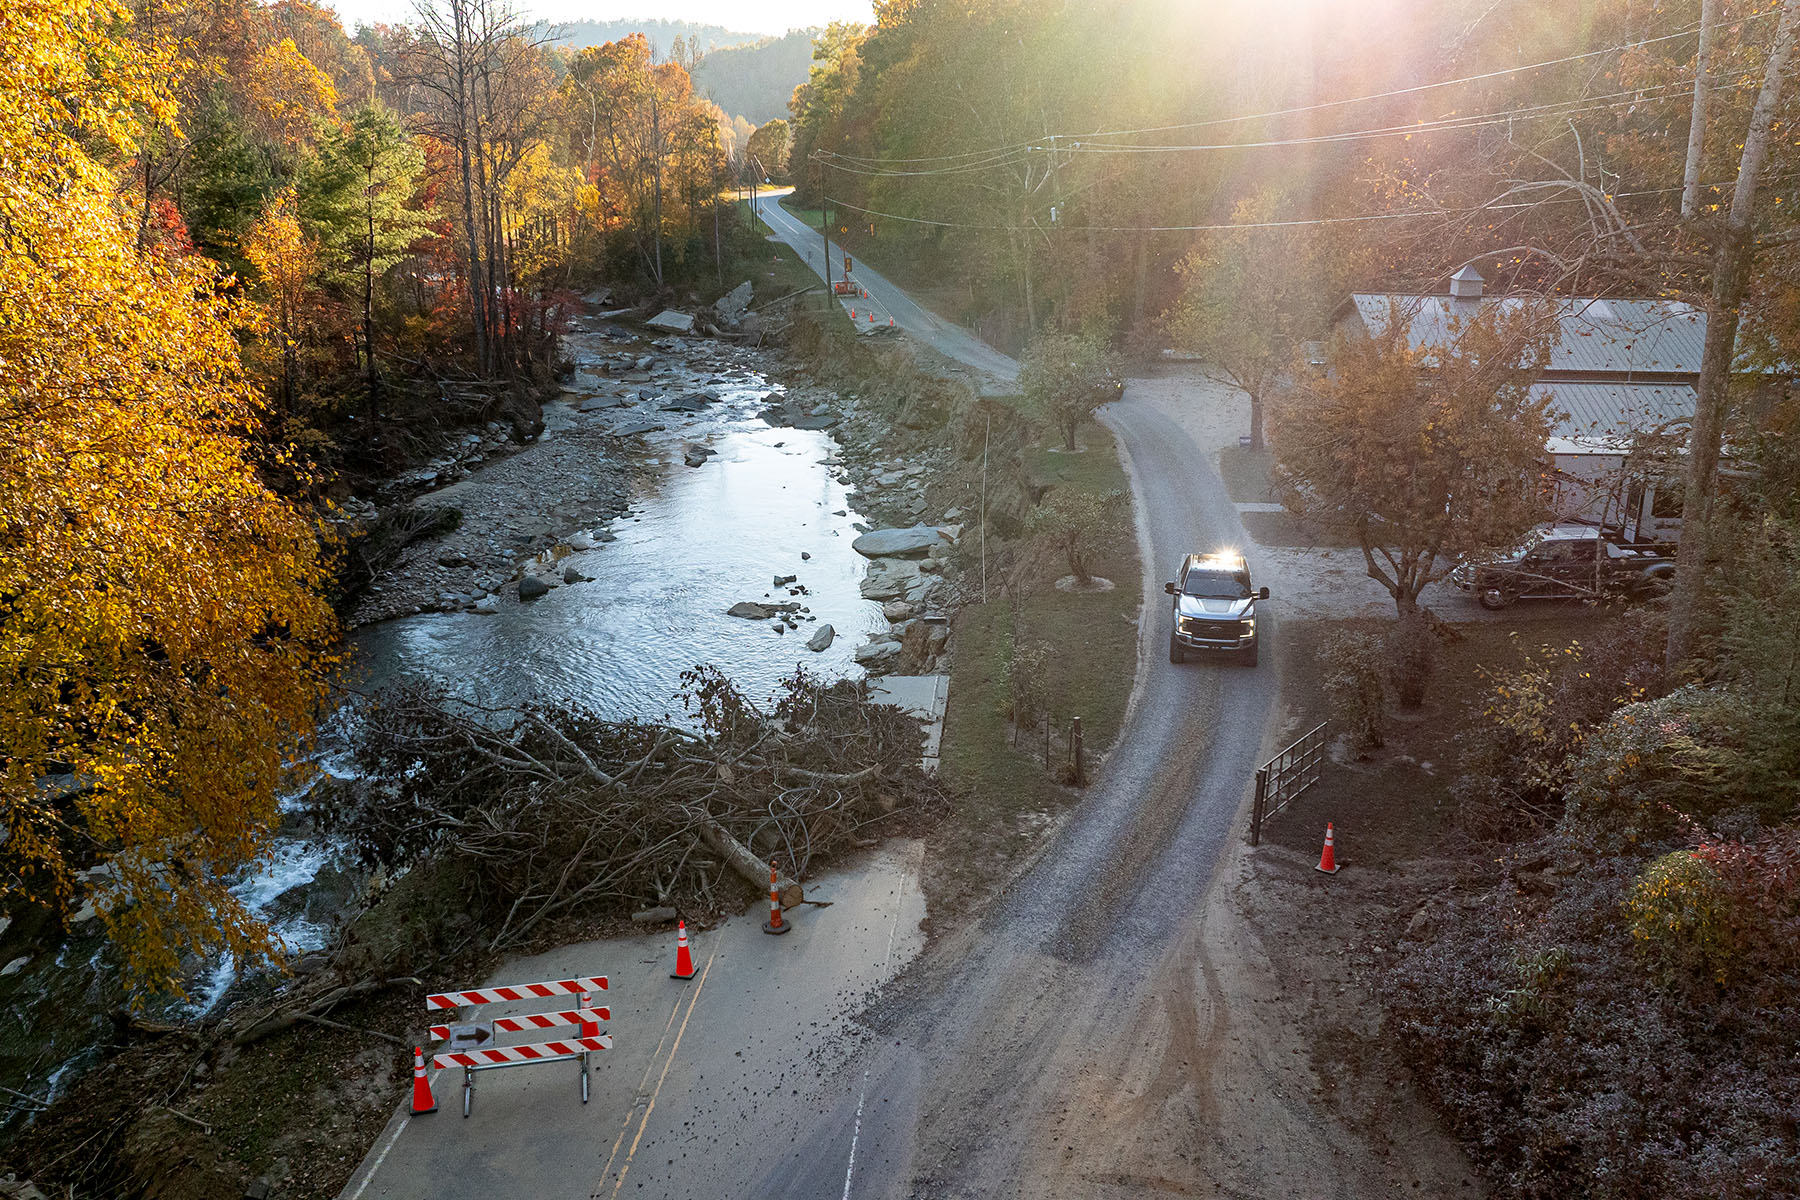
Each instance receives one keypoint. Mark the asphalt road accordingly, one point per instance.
(919, 322)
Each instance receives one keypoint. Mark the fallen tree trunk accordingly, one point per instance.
(738, 857)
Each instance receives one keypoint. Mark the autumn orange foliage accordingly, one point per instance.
(161, 631)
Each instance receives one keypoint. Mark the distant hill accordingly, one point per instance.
(747, 75)
(755, 81)
(662, 34)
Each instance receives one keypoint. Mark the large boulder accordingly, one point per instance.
(675, 322)
(891, 579)
(876, 652)
(884, 543)
(732, 304)
(821, 639)
(750, 610)
(531, 587)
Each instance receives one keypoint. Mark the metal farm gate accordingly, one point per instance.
(1285, 776)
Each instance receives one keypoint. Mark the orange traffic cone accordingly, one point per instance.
(871, 318)
(853, 312)
(775, 924)
(423, 1101)
(1327, 859)
(684, 958)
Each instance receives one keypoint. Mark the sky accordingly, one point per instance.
(750, 16)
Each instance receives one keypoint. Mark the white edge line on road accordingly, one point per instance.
(886, 959)
(397, 1123)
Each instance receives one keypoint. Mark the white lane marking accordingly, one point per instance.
(863, 1096)
(393, 1140)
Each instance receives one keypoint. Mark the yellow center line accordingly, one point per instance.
(667, 1063)
(625, 1126)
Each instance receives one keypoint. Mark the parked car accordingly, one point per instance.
(1214, 607)
(1567, 562)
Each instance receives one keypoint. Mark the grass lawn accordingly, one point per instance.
(1006, 798)
(1286, 529)
(1246, 473)
(808, 216)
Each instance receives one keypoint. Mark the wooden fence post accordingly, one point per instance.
(1075, 745)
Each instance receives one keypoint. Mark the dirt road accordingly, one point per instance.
(1096, 1032)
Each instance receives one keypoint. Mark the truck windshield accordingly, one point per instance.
(1215, 585)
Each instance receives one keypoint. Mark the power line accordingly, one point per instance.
(1609, 100)
(1247, 225)
(871, 161)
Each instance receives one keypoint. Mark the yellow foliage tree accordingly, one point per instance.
(279, 251)
(161, 631)
(289, 95)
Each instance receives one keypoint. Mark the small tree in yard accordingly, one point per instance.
(1251, 295)
(1076, 525)
(1423, 455)
(1065, 377)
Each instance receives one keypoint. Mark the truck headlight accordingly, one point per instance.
(1249, 626)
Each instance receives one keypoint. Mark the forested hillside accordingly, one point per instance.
(757, 80)
(661, 34)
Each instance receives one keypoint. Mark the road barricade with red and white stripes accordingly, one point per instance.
(468, 1048)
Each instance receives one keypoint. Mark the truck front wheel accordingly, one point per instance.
(1250, 655)
(1176, 653)
(1494, 599)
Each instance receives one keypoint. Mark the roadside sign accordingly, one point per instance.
(468, 1037)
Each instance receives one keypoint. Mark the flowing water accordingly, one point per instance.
(703, 539)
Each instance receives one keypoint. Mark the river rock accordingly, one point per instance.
(821, 639)
(750, 611)
(571, 575)
(531, 587)
(896, 610)
(632, 428)
(784, 580)
(882, 543)
(674, 322)
(581, 541)
(16, 965)
(732, 304)
(488, 605)
(696, 457)
(826, 421)
(891, 579)
(876, 652)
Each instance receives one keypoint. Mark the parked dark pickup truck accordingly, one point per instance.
(1567, 562)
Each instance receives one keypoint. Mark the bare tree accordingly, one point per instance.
(1733, 253)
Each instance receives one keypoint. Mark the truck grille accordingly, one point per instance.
(1219, 631)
